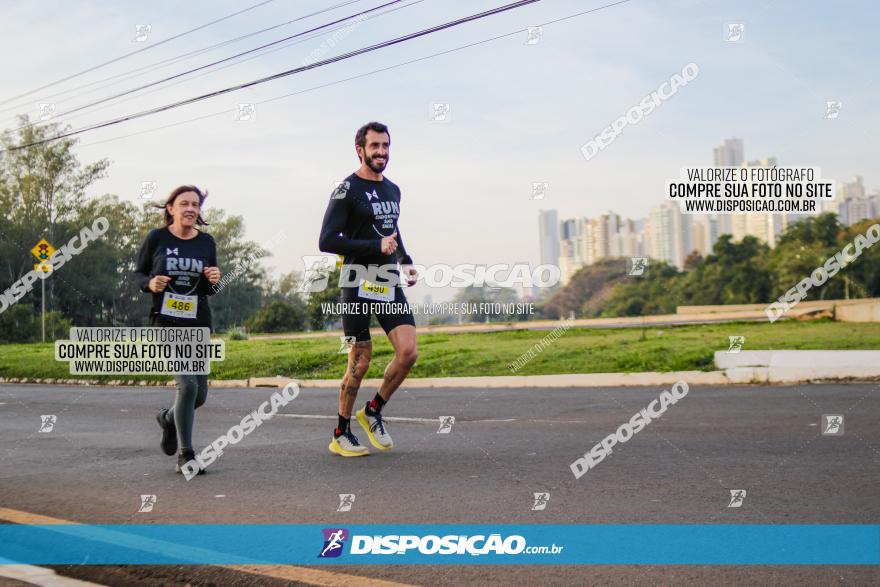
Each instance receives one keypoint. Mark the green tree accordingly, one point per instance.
(42, 190)
(318, 319)
(655, 292)
(861, 278)
(278, 316)
(242, 292)
(487, 295)
(803, 247)
(43, 195)
(20, 324)
(587, 291)
(734, 273)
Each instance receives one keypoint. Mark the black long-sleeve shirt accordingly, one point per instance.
(360, 213)
(183, 260)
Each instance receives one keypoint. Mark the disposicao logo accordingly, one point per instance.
(334, 540)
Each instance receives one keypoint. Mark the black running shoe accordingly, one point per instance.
(169, 434)
(186, 455)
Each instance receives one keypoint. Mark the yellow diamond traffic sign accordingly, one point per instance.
(44, 267)
(43, 250)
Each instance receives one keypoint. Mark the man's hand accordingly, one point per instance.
(158, 283)
(389, 243)
(213, 274)
(412, 276)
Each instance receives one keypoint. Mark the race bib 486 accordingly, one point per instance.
(179, 306)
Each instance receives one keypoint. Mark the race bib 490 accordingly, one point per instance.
(374, 291)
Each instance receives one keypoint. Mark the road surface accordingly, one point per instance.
(505, 444)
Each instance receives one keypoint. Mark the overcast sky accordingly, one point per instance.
(519, 112)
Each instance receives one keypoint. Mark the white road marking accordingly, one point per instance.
(300, 575)
(39, 576)
(435, 420)
(393, 419)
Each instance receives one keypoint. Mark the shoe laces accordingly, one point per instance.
(378, 423)
(351, 437)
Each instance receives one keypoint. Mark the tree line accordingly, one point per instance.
(745, 272)
(43, 195)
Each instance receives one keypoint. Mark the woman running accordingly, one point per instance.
(177, 264)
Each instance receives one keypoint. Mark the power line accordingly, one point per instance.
(313, 88)
(141, 50)
(344, 56)
(158, 65)
(285, 46)
(230, 58)
(361, 75)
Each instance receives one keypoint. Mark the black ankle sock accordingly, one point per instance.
(376, 404)
(342, 425)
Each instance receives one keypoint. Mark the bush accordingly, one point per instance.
(278, 316)
(237, 334)
(21, 323)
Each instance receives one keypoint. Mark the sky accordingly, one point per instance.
(519, 112)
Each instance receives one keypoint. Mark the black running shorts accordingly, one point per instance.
(390, 314)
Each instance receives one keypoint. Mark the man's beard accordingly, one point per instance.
(376, 167)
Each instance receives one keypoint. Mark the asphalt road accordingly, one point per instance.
(505, 445)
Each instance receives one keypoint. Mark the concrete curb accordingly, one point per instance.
(742, 367)
(799, 366)
(570, 380)
(731, 376)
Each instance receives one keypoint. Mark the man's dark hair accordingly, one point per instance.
(360, 139)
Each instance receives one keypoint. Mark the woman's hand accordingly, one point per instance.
(389, 243)
(213, 274)
(412, 276)
(158, 283)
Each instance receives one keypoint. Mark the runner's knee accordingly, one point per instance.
(187, 388)
(359, 362)
(203, 395)
(407, 356)
(359, 369)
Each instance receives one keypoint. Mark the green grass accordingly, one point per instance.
(579, 350)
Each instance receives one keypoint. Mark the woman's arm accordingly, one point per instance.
(211, 272)
(144, 263)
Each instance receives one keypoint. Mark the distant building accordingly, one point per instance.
(852, 205)
(669, 234)
(625, 241)
(548, 233)
(571, 248)
(729, 153)
(586, 241)
(767, 227)
(705, 233)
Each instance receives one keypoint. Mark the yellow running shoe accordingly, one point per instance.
(375, 428)
(347, 445)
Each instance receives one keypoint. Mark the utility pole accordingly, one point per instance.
(43, 286)
(42, 251)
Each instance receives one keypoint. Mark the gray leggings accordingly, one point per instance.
(192, 391)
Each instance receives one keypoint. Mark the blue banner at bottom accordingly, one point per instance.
(625, 544)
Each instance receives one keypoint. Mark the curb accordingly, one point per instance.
(796, 366)
(732, 376)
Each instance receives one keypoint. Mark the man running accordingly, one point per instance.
(361, 225)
